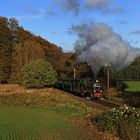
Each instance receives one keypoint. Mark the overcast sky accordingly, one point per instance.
(53, 19)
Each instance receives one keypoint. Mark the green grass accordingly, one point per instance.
(43, 114)
(31, 123)
(132, 86)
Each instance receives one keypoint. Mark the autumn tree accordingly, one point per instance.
(38, 73)
(19, 47)
(5, 50)
(24, 53)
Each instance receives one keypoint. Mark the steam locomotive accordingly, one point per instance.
(89, 88)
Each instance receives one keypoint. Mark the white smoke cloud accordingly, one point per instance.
(76, 6)
(70, 5)
(136, 32)
(98, 45)
(98, 3)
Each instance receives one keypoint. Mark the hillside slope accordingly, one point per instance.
(18, 47)
(47, 113)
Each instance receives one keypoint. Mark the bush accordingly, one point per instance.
(38, 74)
(124, 120)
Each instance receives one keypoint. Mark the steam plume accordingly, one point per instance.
(76, 6)
(98, 45)
(98, 3)
(70, 5)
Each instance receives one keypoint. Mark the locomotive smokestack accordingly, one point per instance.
(98, 45)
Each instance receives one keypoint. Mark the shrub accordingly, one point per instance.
(38, 74)
(124, 120)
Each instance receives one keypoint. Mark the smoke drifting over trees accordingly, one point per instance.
(98, 45)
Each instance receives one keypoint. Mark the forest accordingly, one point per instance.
(19, 47)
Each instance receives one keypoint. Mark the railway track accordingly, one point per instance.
(103, 102)
(107, 103)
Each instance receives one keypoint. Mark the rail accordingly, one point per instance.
(108, 103)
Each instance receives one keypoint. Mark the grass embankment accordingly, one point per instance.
(132, 93)
(45, 114)
(34, 123)
(132, 86)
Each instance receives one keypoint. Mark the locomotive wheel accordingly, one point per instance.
(101, 98)
(89, 96)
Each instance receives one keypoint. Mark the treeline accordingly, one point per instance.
(131, 72)
(19, 47)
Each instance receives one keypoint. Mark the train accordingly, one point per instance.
(85, 87)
